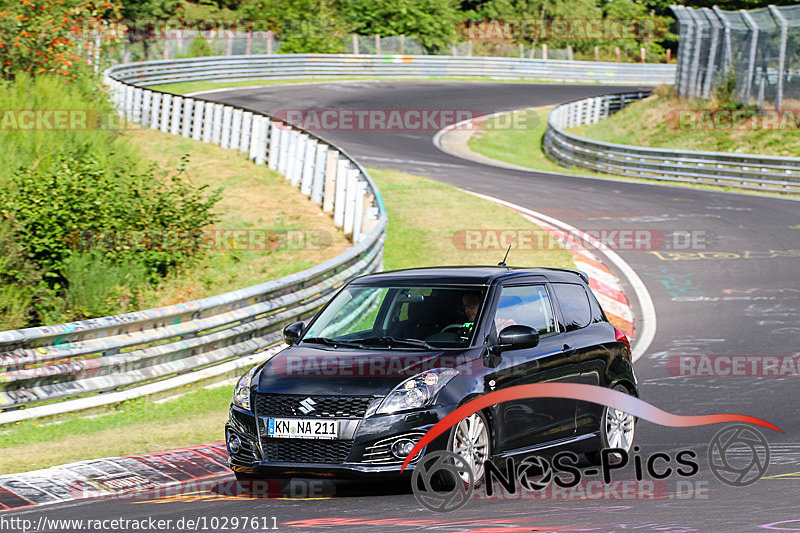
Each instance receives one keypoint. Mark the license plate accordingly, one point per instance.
(302, 428)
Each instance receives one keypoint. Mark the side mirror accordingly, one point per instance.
(292, 332)
(516, 337)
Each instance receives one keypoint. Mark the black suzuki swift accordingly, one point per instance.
(392, 353)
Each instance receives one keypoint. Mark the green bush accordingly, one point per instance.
(200, 48)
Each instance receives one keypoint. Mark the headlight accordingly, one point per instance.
(417, 391)
(241, 394)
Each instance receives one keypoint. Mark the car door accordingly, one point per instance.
(529, 422)
(586, 334)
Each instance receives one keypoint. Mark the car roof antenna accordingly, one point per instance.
(503, 262)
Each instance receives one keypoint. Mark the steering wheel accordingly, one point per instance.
(451, 327)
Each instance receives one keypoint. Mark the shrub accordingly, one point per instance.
(200, 48)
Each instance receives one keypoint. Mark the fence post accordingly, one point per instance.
(726, 34)
(166, 109)
(227, 119)
(784, 24)
(244, 136)
(308, 166)
(693, 83)
(255, 131)
(342, 166)
(270, 37)
(355, 43)
(208, 121)
(748, 87)
(236, 129)
(358, 217)
(261, 141)
(188, 117)
(299, 159)
(175, 121)
(350, 201)
(331, 167)
(711, 64)
(319, 173)
(136, 114)
(216, 132)
(129, 102)
(197, 120)
(377, 44)
(274, 145)
(283, 154)
(291, 155)
(147, 102)
(155, 111)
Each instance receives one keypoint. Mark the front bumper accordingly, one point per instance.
(363, 433)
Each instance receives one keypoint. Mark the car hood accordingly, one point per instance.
(304, 370)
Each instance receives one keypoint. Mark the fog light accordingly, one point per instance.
(234, 444)
(402, 448)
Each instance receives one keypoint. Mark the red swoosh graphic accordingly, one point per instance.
(576, 391)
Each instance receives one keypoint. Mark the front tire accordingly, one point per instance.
(471, 440)
(617, 430)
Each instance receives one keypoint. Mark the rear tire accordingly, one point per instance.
(617, 430)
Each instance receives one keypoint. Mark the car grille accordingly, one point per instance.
(305, 451)
(324, 406)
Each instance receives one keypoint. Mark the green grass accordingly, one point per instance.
(424, 216)
(655, 122)
(522, 145)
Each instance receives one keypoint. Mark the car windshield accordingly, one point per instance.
(384, 317)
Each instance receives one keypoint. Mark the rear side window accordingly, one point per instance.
(574, 305)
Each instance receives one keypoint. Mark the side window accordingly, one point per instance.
(525, 305)
(574, 305)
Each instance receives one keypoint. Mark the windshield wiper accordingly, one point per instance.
(390, 341)
(331, 342)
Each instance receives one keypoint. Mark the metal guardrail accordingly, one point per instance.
(155, 350)
(716, 168)
(301, 66)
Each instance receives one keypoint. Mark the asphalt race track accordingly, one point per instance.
(737, 296)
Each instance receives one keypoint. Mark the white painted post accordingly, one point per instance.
(208, 121)
(255, 131)
(358, 217)
(216, 131)
(137, 105)
(244, 138)
(227, 119)
(283, 149)
(129, 102)
(308, 167)
(350, 200)
(175, 120)
(299, 159)
(166, 110)
(261, 141)
(147, 103)
(331, 167)
(294, 139)
(155, 111)
(319, 173)
(236, 128)
(188, 118)
(274, 145)
(342, 168)
(197, 120)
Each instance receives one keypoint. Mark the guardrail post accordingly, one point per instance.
(262, 140)
(129, 102)
(166, 109)
(291, 154)
(255, 132)
(274, 145)
(319, 173)
(358, 216)
(283, 153)
(331, 167)
(751, 63)
(208, 121)
(299, 159)
(308, 166)
(137, 105)
(784, 24)
(155, 111)
(175, 120)
(342, 168)
(216, 130)
(244, 138)
(147, 104)
(188, 117)
(227, 117)
(197, 120)
(350, 201)
(236, 129)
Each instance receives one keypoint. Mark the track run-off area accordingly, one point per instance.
(734, 292)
